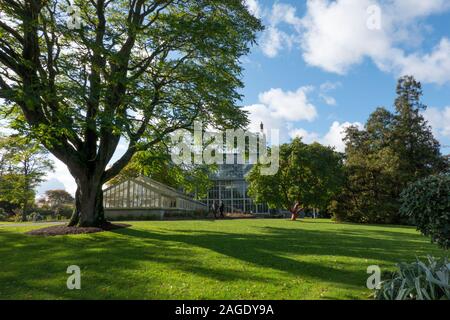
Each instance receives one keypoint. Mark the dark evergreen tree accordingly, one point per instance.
(413, 140)
(392, 151)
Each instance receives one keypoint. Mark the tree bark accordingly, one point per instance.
(89, 211)
(295, 211)
(76, 211)
(294, 214)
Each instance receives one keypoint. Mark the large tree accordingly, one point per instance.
(413, 140)
(372, 177)
(309, 176)
(58, 198)
(393, 150)
(132, 69)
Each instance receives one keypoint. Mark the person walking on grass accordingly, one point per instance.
(222, 209)
(214, 209)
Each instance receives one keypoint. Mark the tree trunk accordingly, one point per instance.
(26, 189)
(294, 211)
(294, 214)
(24, 211)
(89, 211)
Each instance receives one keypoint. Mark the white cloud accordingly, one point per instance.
(329, 86)
(336, 134)
(333, 138)
(334, 36)
(439, 121)
(328, 100)
(307, 137)
(254, 7)
(274, 39)
(325, 88)
(431, 68)
(290, 106)
(278, 110)
(411, 9)
(261, 113)
(284, 13)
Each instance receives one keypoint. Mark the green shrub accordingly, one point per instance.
(197, 214)
(61, 213)
(17, 217)
(427, 204)
(65, 211)
(418, 281)
(3, 215)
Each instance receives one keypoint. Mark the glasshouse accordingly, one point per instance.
(231, 188)
(143, 197)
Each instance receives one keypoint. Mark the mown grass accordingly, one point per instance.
(239, 259)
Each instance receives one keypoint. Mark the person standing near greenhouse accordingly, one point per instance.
(222, 209)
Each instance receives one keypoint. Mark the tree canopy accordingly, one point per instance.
(134, 70)
(393, 150)
(58, 198)
(308, 174)
(23, 166)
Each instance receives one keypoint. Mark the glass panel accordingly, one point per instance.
(214, 192)
(228, 205)
(120, 196)
(238, 206)
(124, 195)
(132, 195)
(249, 206)
(225, 190)
(238, 190)
(153, 200)
(138, 195)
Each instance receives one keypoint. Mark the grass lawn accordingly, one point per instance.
(239, 259)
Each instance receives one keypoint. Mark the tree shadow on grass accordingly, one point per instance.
(377, 245)
(272, 249)
(111, 269)
(112, 263)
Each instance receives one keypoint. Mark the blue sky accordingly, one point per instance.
(355, 51)
(322, 65)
